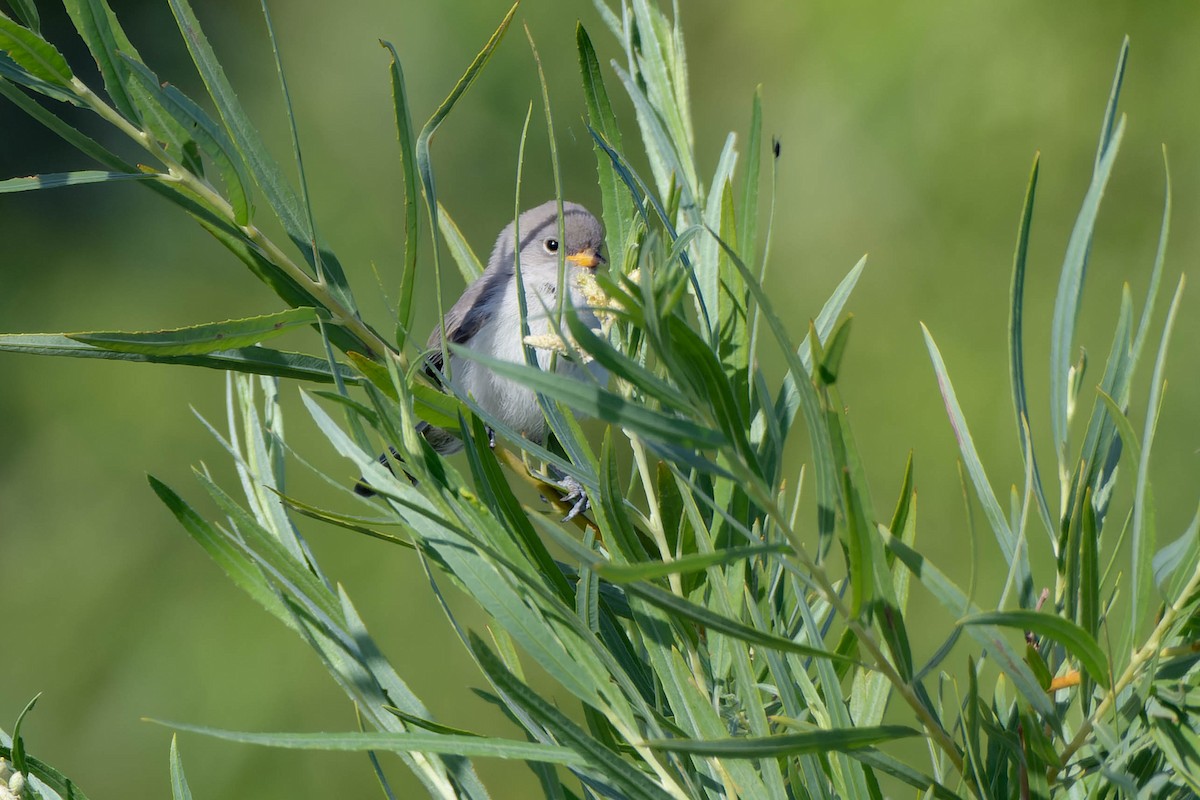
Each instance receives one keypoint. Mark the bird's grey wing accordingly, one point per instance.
(472, 311)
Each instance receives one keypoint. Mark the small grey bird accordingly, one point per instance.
(486, 318)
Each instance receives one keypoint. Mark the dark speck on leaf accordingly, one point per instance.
(775, 145)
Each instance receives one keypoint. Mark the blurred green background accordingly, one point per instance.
(907, 131)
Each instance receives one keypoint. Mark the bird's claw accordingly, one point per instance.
(573, 490)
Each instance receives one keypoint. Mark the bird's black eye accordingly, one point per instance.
(551, 245)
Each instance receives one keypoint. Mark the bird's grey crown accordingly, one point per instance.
(582, 231)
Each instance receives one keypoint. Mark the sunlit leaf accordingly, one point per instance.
(37, 56)
(787, 744)
(255, 360)
(202, 339)
(179, 784)
(357, 741)
(60, 179)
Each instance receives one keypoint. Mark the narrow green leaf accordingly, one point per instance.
(748, 212)
(1101, 447)
(736, 350)
(179, 784)
(57, 180)
(587, 589)
(834, 350)
(468, 263)
(27, 13)
(628, 573)
(1160, 257)
(1143, 536)
(359, 741)
(673, 604)
(672, 173)
(350, 523)
(202, 339)
(1172, 563)
(863, 588)
(282, 561)
(1070, 291)
(709, 262)
(662, 71)
(617, 204)
(240, 569)
(10, 70)
(467, 79)
(37, 56)
(404, 132)
(1016, 347)
(1075, 639)
(499, 496)
(1039, 754)
(305, 200)
(595, 401)
(1110, 109)
(695, 366)
(1090, 614)
(979, 479)
(18, 748)
(788, 402)
(429, 725)
(974, 751)
(787, 744)
(616, 524)
(617, 363)
(1035, 661)
(253, 360)
(799, 376)
(892, 624)
(105, 38)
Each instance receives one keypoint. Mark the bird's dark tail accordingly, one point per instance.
(441, 440)
(363, 489)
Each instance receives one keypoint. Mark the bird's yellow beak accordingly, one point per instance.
(588, 259)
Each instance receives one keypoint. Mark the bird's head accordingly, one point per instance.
(581, 241)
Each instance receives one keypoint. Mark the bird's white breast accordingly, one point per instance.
(500, 337)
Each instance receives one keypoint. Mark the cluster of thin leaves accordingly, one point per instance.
(710, 639)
